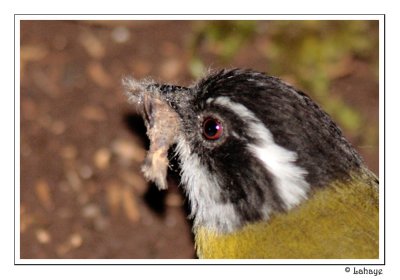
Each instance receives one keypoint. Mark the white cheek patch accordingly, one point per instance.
(206, 206)
(289, 178)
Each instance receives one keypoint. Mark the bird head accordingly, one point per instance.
(249, 145)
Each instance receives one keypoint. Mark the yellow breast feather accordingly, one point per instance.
(339, 222)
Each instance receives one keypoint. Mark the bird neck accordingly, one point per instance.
(340, 221)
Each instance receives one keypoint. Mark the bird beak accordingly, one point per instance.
(158, 105)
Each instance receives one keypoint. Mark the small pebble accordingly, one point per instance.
(93, 46)
(32, 52)
(43, 193)
(73, 180)
(58, 127)
(114, 196)
(76, 240)
(130, 206)
(127, 150)
(120, 34)
(90, 211)
(43, 236)
(100, 223)
(102, 158)
(99, 75)
(86, 172)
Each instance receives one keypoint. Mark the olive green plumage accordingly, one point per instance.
(338, 222)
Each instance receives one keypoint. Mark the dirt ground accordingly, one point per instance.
(82, 192)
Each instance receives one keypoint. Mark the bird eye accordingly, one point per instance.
(212, 129)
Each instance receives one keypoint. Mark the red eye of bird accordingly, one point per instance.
(212, 129)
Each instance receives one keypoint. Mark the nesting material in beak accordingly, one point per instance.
(162, 124)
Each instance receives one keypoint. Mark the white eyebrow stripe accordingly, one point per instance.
(210, 100)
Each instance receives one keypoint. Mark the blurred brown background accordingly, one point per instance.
(82, 193)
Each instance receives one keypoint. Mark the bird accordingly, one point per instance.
(267, 172)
